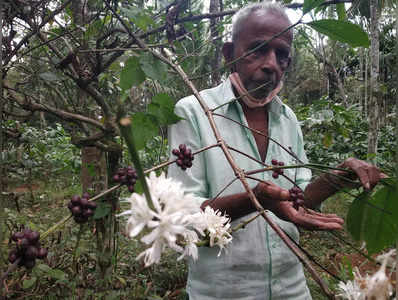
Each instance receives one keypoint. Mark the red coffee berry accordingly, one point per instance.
(42, 253)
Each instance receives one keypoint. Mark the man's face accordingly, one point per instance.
(266, 65)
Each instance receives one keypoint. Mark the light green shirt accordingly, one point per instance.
(257, 264)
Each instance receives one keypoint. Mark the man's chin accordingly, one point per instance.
(260, 94)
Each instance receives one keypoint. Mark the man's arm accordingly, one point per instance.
(326, 185)
(275, 199)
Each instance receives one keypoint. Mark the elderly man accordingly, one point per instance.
(257, 265)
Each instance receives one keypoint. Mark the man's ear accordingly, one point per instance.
(228, 52)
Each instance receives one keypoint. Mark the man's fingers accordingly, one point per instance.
(333, 217)
(317, 223)
(272, 191)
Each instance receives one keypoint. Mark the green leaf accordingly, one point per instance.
(144, 128)
(162, 107)
(126, 130)
(132, 74)
(375, 219)
(28, 283)
(382, 225)
(340, 9)
(53, 273)
(356, 216)
(153, 67)
(57, 274)
(44, 268)
(49, 76)
(310, 4)
(138, 17)
(102, 210)
(342, 31)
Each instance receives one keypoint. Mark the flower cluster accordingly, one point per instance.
(376, 286)
(174, 221)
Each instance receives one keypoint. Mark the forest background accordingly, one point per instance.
(71, 69)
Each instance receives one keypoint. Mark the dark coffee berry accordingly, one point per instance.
(30, 252)
(29, 264)
(23, 243)
(184, 156)
(84, 203)
(33, 237)
(12, 256)
(76, 211)
(275, 174)
(86, 195)
(116, 178)
(88, 213)
(281, 163)
(187, 152)
(296, 189)
(293, 196)
(17, 236)
(42, 253)
(131, 188)
(274, 162)
(75, 199)
(92, 205)
(26, 231)
(280, 171)
(80, 219)
(70, 205)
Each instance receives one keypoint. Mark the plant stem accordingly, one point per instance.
(55, 227)
(166, 163)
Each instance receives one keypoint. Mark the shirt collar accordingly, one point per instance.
(275, 106)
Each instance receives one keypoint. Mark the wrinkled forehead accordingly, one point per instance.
(261, 23)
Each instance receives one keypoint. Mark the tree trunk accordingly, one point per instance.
(94, 162)
(215, 62)
(2, 171)
(374, 110)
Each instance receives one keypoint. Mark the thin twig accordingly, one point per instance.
(262, 134)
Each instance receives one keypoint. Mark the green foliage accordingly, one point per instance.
(145, 125)
(333, 133)
(373, 218)
(310, 4)
(154, 68)
(43, 152)
(132, 74)
(343, 31)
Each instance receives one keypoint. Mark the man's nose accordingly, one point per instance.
(269, 63)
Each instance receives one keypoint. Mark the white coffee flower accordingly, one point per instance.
(376, 286)
(175, 221)
(349, 290)
(215, 225)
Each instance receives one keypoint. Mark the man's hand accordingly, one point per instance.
(275, 198)
(368, 174)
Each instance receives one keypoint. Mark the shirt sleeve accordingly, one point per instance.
(303, 174)
(187, 132)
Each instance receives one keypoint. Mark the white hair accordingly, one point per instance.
(238, 19)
